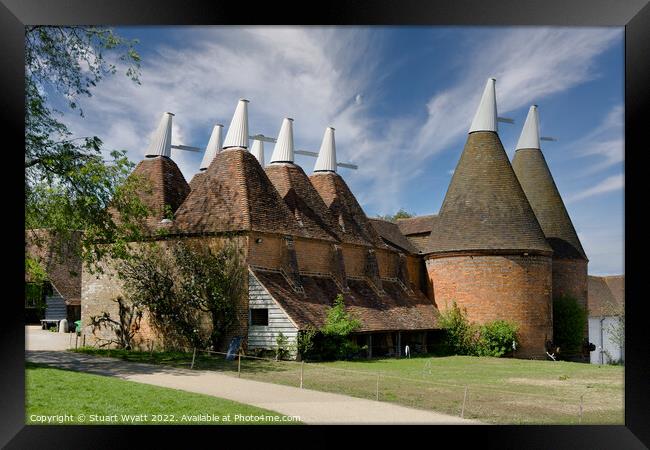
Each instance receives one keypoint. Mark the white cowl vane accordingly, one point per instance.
(530, 133)
(214, 146)
(283, 150)
(326, 161)
(258, 151)
(161, 144)
(485, 118)
(237, 135)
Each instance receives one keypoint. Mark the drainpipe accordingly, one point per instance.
(602, 344)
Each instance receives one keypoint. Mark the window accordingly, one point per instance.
(260, 316)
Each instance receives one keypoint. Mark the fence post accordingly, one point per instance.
(193, 358)
(462, 411)
(239, 365)
(377, 391)
(83, 340)
(580, 418)
(302, 369)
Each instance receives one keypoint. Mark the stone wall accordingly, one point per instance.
(516, 288)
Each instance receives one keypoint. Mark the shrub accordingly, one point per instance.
(460, 334)
(335, 342)
(569, 319)
(496, 338)
(305, 342)
(282, 344)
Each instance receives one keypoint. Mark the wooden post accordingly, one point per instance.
(193, 358)
(580, 418)
(377, 391)
(83, 340)
(302, 368)
(462, 411)
(399, 344)
(76, 341)
(239, 365)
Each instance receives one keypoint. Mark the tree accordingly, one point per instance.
(123, 330)
(69, 186)
(183, 284)
(401, 214)
(339, 324)
(569, 319)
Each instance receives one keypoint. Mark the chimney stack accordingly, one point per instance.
(485, 118)
(214, 146)
(237, 136)
(283, 150)
(326, 161)
(161, 144)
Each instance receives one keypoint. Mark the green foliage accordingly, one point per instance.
(282, 346)
(69, 183)
(305, 341)
(496, 338)
(460, 335)
(569, 319)
(332, 340)
(401, 214)
(465, 338)
(185, 284)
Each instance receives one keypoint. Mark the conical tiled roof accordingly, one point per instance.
(485, 208)
(302, 199)
(346, 210)
(235, 194)
(164, 184)
(195, 179)
(537, 182)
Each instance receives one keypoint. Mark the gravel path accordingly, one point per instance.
(313, 407)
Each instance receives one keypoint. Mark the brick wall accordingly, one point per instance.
(355, 259)
(98, 292)
(570, 278)
(514, 288)
(388, 263)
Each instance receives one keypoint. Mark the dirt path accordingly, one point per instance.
(312, 407)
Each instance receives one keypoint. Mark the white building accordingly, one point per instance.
(606, 306)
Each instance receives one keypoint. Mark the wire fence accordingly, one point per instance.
(483, 402)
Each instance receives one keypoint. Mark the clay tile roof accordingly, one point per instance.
(542, 193)
(344, 206)
(605, 295)
(485, 207)
(390, 233)
(195, 180)
(60, 259)
(416, 225)
(234, 194)
(302, 199)
(394, 311)
(165, 185)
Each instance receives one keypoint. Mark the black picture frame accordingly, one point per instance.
(634, 15)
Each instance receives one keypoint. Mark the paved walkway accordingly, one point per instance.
(313, 407)
(38, 339)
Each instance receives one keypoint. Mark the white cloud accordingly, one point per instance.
(610, 184)
(316, 75)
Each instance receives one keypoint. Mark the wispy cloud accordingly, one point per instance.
(304, 73)
(605, 143)
(528, 63)
(609, 184)
(332, 76)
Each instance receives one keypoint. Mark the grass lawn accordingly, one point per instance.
(65, 395)
(499, 390)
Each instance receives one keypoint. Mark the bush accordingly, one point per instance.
(465, 338)
(496, 338)
(332, 340)
(282, 346)
(460, 334)
(569, 319)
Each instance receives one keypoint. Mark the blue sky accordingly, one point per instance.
(401, 100)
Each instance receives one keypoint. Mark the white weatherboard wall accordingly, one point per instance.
(607, 346)
(265, 336)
